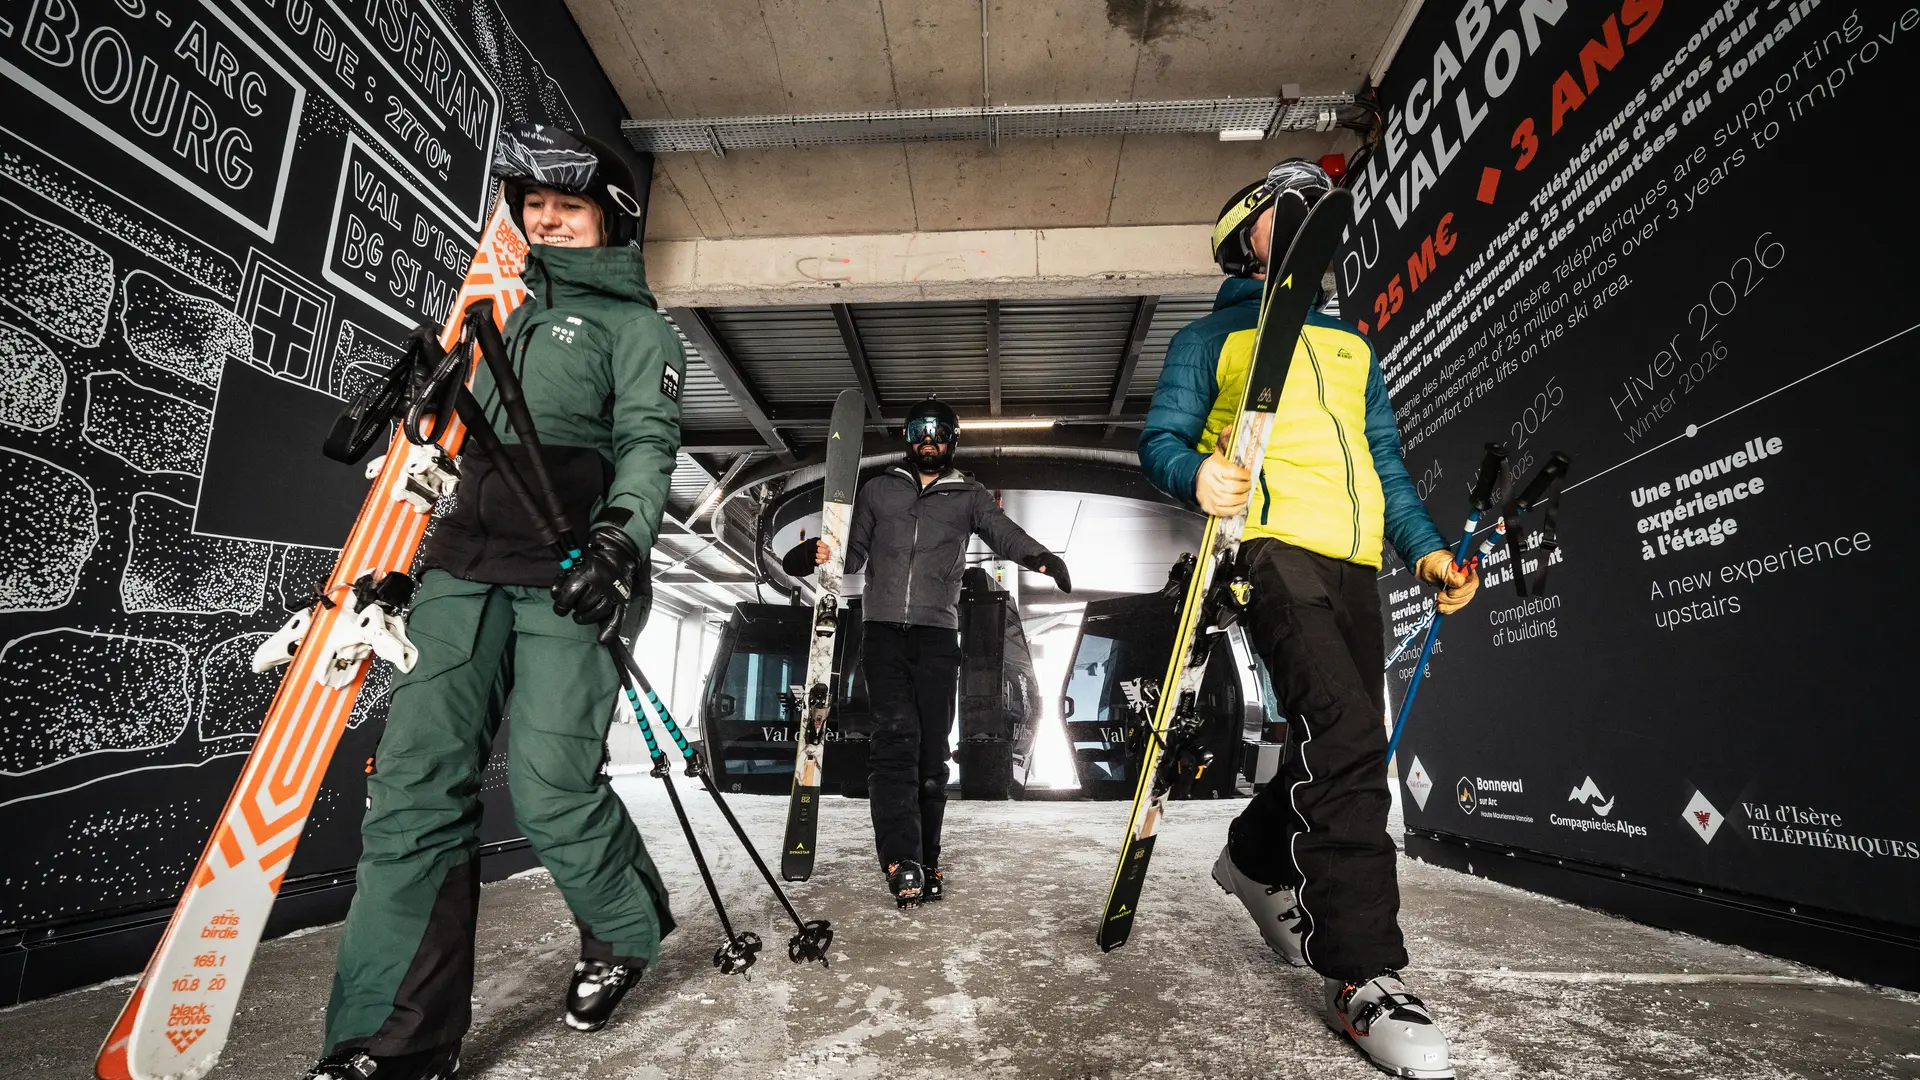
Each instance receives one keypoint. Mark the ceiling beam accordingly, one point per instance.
(700, 331)
(722, 443)
(1130, 354)
(857, 357)
(691, 576)
(993, 356)
(816, 417)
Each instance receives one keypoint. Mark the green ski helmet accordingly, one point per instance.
(1233, 230)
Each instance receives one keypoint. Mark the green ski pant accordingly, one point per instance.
(405, 972)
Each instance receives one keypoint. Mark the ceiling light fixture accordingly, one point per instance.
(1243, 135)
(1004, 425)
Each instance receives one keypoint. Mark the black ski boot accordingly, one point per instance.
(907, 881)
(936, 886)
(440, 1063)
(596, 988)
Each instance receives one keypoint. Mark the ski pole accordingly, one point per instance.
(1425, 621)
(1543, 488)
(811, 937)
(738, 953)
(740, 950)
(1482, 501)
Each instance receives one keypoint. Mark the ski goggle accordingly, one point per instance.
(535, 154)
(923, 428)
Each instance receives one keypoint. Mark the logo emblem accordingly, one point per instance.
(1702, 817)
(670, 383)
(1142, 695)
(1466, 796)
(1419, 784)
(1588, 795)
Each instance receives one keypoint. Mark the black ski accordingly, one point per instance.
(1292, 284)
(813, 702)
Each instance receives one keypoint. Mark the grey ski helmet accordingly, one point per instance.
(935, 417)
(1233, 230)
(530, 154)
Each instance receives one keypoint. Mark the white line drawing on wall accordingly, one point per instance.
(68, 693)
(122, 90)
(233, 697)
(189, 335)
(171, 569)
(375, 694)
(49, 525)
(149, 429)
(302, 574)
(92, 780)
(33, 381)
(53, 179)
(361, 359)
(399, 130)
(54, 276)
(289, 315)
(491, 31)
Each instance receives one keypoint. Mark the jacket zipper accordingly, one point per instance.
(1340, 434)
(913, 548)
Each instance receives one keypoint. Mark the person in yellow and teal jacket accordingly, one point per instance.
(1310, 856)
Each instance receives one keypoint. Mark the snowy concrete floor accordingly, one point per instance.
(1003, 979)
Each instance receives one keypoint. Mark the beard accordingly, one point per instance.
(929, 458)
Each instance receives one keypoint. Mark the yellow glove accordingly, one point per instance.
(1457, 586)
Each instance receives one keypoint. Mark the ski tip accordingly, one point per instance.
(111, 1063)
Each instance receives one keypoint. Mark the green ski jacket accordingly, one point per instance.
(602, 371)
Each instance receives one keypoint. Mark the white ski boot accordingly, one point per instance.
(1390, 1026)
(1274, 909)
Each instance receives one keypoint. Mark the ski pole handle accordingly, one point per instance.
(475, 417)
(514, 400)
(1554, 469)
(1489, 477)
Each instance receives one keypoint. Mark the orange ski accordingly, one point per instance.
(176, 1022)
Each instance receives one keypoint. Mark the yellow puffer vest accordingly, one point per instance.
(1318, 490)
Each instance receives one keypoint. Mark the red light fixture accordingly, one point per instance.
(1336, 166)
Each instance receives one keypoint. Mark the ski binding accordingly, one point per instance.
(427, 476)
(371, 626)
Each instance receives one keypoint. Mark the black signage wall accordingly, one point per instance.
(1673, 241)
(218, 216)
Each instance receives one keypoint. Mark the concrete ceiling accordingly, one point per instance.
(720, 58)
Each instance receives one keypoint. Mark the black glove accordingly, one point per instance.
(601, 581)
(800, 559)
(1053, 566)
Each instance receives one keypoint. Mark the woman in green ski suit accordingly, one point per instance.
(601, 370)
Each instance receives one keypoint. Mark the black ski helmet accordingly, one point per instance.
(1233, 230)
(942, 416)
(530, 154)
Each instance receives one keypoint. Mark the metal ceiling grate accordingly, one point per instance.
(1268, 115)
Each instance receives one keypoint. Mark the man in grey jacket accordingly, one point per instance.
(910, 530)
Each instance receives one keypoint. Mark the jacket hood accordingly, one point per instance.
(1237, 290)
(558, 275)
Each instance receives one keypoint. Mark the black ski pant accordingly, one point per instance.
(912, 673)
(1320, 827)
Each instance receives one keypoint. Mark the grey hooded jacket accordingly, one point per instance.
(912, 542)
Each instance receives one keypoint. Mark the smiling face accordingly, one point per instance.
(558, 219)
